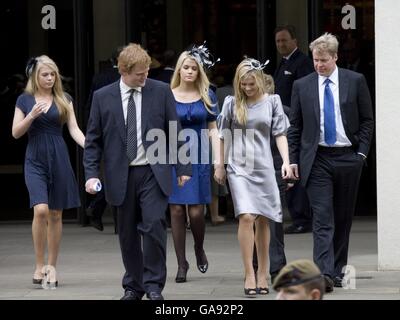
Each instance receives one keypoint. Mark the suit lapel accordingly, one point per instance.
(147, 100)
(117, 111)
(314, 94)
(343, 93)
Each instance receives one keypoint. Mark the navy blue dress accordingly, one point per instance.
(195, 116)
(48, 173)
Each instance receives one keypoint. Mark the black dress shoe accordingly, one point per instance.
(131, 295)
(181, 274)
(201, 260)
(328, 284)
(273, 276)
(338, 282)
(97, 224)
(293, 229)
(154, 296)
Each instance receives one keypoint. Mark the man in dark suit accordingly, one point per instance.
(137, 182)
(293, 66)
(331, 129)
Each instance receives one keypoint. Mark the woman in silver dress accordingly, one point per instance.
(246, 123)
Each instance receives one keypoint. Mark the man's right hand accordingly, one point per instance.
(90, 185)
(295, 171)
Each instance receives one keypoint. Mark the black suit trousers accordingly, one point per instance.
(298, 205)
(277, 257)
(142, 232)
(332, 190)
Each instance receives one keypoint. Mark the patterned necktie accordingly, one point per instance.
(131, 128)
(329, 115)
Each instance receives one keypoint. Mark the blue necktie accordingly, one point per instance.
(329, 115)
(131, 131)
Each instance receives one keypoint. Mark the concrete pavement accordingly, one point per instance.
(90, 266)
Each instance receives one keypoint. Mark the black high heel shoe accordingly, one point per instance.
(262, 291)
(38, 281)
(250, 291)
(181, 274)
(201, 260)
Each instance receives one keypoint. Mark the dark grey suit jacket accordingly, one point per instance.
(304, 131)
(298, 66)
(106, 137)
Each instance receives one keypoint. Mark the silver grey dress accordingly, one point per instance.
(250, 167)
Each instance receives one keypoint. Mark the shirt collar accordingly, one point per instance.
(288, 56)
(334, 77)
(125, 89)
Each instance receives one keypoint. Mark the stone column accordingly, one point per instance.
(387, 48)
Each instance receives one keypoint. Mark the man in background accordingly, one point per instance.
(293, 65)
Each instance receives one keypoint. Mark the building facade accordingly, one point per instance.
(81, 36)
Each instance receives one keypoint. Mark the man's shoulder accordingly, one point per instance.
(350, 73)
(299, 55)
(301, 64)
(152, 83)
(306, 79)
(108, 89)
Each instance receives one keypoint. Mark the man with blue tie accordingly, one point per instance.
(121, 116)
(331, 129)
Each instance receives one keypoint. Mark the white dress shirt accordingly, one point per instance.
(290, 54)
(137, 96)
(341, 138)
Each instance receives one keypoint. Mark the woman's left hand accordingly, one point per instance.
(287, 172)
(220, 175)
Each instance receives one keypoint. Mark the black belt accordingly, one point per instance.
(335, 150)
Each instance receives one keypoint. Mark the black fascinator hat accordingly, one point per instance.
(30, 66)
(203, 56)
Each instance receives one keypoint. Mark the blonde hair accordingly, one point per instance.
(202, 83)
(244, 71)
(131, 55)
(269, 84)
(325, 43)
(60, 99)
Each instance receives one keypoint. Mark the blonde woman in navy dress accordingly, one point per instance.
(41, 112)
(196, 107)
(253, 186)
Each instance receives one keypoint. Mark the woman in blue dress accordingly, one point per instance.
(41, 111)
(196, 107)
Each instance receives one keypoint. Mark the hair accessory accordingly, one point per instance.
(30, 66)
(256, 65)
(203, 56)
